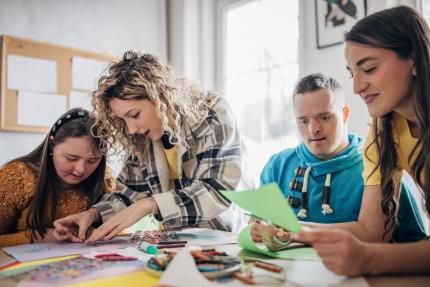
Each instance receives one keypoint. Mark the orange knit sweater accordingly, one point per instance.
(17, 183)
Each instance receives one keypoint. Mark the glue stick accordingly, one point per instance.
(147, 247)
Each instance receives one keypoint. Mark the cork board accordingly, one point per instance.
(63, 79)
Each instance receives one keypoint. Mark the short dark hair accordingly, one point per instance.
(317, 81)
(314, 82)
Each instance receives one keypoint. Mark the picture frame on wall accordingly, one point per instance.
(334, 17)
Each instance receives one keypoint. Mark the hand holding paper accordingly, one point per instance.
(268, 203)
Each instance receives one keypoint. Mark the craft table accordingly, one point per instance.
(314, 274)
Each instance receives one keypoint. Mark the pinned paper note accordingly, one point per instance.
(40, 109)
(295, 253)
(80, 100)
(86, 72)
(268, 203)
(31, 74)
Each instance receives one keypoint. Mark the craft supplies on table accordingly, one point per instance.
(212, 264)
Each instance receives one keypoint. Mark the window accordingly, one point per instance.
(258, 70)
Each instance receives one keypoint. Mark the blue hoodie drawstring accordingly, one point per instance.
(304, 210)
(303, 187)
(326, 209)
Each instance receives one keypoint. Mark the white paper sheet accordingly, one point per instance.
(305, 273)
(182, 271)
(80, 100)
(206, 237)
(37, 251)
(32, 74)
(40, 109)
(86, 72)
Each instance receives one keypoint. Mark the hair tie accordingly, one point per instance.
(67, 118)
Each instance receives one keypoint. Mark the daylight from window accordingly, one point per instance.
(261, 68)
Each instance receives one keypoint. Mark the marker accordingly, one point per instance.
(147, 247)
(165, 242)
(161, 246)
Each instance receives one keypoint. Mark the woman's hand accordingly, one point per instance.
(74, 227)
(122, 220)
(340, 250)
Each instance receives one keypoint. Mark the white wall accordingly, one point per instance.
(191, 39)
(103, 26)
(331, 61)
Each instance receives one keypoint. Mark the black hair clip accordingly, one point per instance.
(148, 58)
(67, 118)
(131, 63)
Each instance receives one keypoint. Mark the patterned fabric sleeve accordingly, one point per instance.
(216, 165)
(16, 189)
(123, 195)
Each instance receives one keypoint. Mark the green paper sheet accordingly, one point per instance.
(297, 253)
(268, 203)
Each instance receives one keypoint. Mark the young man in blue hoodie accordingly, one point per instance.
(322, 177)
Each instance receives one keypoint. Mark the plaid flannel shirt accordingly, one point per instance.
(212, 162)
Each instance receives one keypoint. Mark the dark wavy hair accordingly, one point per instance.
(49, 186)
(404, 31)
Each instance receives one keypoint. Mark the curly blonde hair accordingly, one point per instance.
(142, 76)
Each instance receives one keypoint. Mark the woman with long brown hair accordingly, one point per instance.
(388, 56)
(182, 146)
(64, 175)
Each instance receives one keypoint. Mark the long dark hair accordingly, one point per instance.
(75, 123)
(404, 31)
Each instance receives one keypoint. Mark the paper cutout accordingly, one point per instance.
(268, 203)
(295, 253)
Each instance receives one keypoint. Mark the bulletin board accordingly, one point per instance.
(40, 81)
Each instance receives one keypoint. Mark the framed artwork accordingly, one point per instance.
(334, 17)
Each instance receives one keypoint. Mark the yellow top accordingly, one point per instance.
(17, 183)
(172, 163)
(405, 144)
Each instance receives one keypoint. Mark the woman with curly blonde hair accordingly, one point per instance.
(182, 147)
